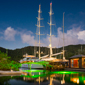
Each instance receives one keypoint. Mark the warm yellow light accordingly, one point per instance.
(23, 78)
(50, 45)
(75, 80)
(62, 82)
(84, 81)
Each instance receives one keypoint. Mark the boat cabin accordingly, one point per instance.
(26, 55)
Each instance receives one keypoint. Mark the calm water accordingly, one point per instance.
(42, 77)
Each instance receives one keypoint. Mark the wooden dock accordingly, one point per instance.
(75, 69)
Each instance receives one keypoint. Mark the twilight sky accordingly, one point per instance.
(18, 22)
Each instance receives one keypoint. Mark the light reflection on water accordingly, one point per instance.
(42, 77)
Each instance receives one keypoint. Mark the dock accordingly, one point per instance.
(75, 69)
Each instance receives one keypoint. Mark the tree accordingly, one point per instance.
(6, 63)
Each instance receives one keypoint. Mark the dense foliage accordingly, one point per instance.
(6, 63)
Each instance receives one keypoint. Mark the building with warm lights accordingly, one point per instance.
(77, 61)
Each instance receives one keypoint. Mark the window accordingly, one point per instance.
(72, 63)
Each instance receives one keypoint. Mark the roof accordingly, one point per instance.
(78, 56)
(28, 56)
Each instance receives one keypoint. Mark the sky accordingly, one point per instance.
(18, 22)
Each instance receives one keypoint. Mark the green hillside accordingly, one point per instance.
(70, 50)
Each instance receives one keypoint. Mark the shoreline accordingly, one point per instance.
(10, 72)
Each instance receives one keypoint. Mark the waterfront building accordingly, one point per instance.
(77, 61)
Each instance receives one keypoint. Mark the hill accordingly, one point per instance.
(70, 50)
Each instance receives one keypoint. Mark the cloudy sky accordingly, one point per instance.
(18, 22)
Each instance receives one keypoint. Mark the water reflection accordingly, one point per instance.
(78, 78)
(61, 76)
(42, 77)
(48, 76)
(34, 75)
(63, 80)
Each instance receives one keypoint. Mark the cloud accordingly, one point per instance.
(28, 39)
(26, 36)
(75, 35)
(72, 36)
(81, 35)
(9, 34)
(1, 37)
(20, 32)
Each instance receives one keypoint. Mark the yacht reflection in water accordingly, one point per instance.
(41, 77)
(51, 78)
(54, 80)
(34, 76)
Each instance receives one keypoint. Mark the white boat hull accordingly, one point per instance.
(33, 66)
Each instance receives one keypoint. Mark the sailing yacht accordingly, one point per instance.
(46, 57)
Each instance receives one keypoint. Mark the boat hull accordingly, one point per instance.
(32, 66)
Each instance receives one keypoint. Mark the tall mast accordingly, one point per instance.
(50, 13)
(63, 37)
(38, 25)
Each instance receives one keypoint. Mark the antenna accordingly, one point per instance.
(50, 13)
(63, 37)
